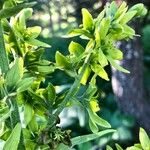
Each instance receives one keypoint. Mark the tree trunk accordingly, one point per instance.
(128, 88)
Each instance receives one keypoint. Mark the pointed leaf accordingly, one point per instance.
(14, 138)
(115, 65)
(75, 49)
(85, 138)
(144, 139)
(24, 84)
(61, 60)
(95, 118)
(28, 113)
(93, 126)
(87, 19)
(104, 27)
(108, 147)
(15, 73)
(100, 71)
(118, 147)
(36, 42)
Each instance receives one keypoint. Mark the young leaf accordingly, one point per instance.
(87, 20)
(36, 42)
(34, 31)
(102, 58)
(93, 126)
(100, 71)
(28, 113)
(50, 94)
(115, 53)
(95, 118)
(133, 148)
(77, 32)
(104, 27)
(24, 84)
(14, 138)
(118, 147)
(140, 9)
(108, 147)
(61, 60)
(144, 139)
(23, 15)
(15, 73)
(85, 138)
(127, 17)
(115, 65)
(85, 76)
(75, 49)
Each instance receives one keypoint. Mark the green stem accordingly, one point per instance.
(73, 89)
(4, 63)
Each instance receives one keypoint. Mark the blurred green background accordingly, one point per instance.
(57, 17)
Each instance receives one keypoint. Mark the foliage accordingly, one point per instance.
(143, 145)
(30, 113)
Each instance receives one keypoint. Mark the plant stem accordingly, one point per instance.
(4, 65)
(73, 89)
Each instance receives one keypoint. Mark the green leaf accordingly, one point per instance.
(14, 138)
(3, 117)
(85, 76)
(34, 32)
(50, 94)
(62, 61)
(33, 125)
(121, 10)
(87, 20)
(45, 69)
(102, 58)
(77, 32)
(24, 84)
(133, 148)
(23, 15)
(104, 27)
(99, 71)
(115, 65)
(115, 53)
(144, 139)
(118, 147)
(127, 17)
(128, 31)
(15, 73)
(93, 126)
(76, 49)
(108, 147)
(140, 9)
(28, 113)
(36, 42)
(8, 12)
(85, 138)
(95, 118)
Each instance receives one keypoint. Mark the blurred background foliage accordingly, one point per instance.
(57, 17)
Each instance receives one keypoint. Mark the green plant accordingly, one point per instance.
(143, 145)
(30, 113)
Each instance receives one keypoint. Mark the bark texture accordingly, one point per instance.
(129, 88)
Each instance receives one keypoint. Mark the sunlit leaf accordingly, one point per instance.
(87, 19)
(75, 49)
(85, 138)
(144, 139)
(14, 138)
